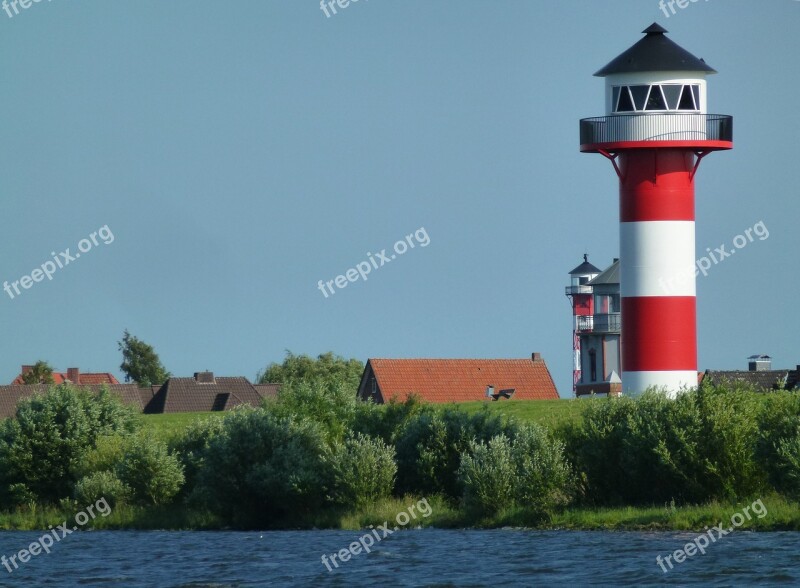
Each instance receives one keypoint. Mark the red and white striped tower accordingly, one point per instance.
(655, 132)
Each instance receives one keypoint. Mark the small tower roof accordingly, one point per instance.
(585, 268)
(655, 53)
(610, 275)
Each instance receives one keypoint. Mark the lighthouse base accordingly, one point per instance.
(634, 383)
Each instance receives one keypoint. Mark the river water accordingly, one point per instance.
(422, 557)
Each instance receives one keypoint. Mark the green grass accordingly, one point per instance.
(552, 413)
(439, 514)
(172, 518)
(167, 426)
(781, 514)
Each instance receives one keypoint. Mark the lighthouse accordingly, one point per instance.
(579, 294)
(655, 133)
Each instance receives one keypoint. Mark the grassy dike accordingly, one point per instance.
(781, 514)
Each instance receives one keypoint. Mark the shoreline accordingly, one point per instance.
(779, 515)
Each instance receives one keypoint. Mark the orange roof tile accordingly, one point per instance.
(87, 379)
(461, 380)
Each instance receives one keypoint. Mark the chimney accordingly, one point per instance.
(536, 357)
(204, 378)
(759, 363)
(26, 369)
(74, 375)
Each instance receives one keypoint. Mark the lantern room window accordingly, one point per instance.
(656, 98)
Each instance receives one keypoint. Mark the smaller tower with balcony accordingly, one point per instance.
(595, 298)
(579, 294)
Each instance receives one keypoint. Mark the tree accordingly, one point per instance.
(40, 373)
(326, 367)
(140, 362)
(42, 450)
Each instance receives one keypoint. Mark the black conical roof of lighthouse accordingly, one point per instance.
(655, 53)
(585, 268)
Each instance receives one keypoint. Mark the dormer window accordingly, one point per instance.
(656, 98)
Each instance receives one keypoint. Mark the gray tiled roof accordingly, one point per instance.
(189, 395)
(267, 390)
(175, 395)
(610, 275)
(764, 380)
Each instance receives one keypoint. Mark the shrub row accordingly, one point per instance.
(317, 448)
(714, 443)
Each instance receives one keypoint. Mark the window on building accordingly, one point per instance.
(625, 102)
(606, 303)
(639, 94)
(687, 99)
(656, 98)
(593, 364)
(672, 92)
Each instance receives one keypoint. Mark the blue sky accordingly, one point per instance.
(240, 152)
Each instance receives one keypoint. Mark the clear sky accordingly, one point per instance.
(240, 152)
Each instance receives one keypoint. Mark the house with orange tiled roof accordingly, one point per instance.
(457, 380)
(72, 375)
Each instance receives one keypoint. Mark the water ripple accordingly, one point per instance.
(414, 558)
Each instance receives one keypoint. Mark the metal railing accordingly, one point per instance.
(656, 127)
(600, 323)
(578, 290)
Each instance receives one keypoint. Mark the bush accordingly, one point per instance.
(697, 447)
(728, 441)
(191, 445)
(104, 456)
(103, 484)
(41, 449)
(778, 445)
(543, 478)
(487, 473)
(430, 446)
(153, 474)
(386, 421)
(262, 467)
(787, 467)
(363, 471)
(527, 471)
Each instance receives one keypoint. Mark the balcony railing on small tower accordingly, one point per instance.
(599, 323)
